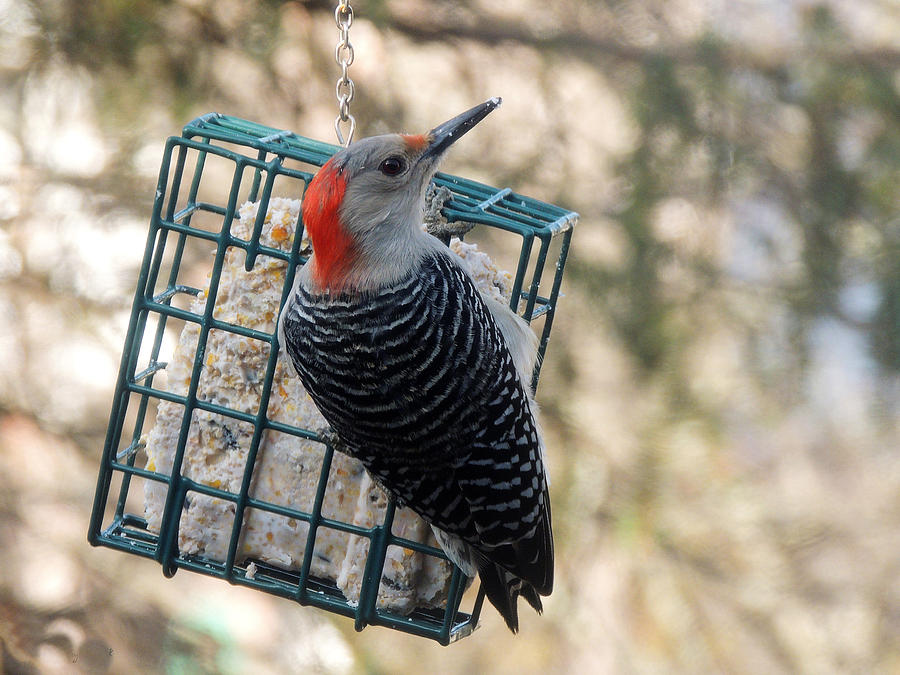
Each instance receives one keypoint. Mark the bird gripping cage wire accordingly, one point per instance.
(210, 463)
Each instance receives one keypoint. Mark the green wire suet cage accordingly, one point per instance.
(245, 161)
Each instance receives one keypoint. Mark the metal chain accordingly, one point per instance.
(343, 54)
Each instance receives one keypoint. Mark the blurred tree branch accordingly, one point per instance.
(437, 21)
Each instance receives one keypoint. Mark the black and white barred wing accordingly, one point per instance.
(418, 382)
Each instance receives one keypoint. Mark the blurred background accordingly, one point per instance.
(722, 391)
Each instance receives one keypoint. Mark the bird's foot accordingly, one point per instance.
(329, 437)
(377, 482)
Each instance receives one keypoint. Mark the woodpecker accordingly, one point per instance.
(420, 376)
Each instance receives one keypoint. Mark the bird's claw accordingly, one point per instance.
(329, 437)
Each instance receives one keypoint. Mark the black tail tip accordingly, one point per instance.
(503, 590)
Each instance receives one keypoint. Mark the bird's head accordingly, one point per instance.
(363, 209)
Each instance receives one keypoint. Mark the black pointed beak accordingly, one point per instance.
(444, 135)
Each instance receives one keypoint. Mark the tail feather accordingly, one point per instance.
(503, 590)
(530, 594)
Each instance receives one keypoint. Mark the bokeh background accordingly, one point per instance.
(722, 390)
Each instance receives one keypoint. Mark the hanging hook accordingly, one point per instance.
(340, 134)
(343, 55)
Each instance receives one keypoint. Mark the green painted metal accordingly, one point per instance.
(259, 156)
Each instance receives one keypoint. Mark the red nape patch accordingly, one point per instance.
(333, 249)
(415, 142)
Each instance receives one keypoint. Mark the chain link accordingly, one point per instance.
(343, 55)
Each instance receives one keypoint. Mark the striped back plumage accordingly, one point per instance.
(417, 381)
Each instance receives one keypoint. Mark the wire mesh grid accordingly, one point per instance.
(218, 163)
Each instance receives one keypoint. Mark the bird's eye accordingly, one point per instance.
(392, 166)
